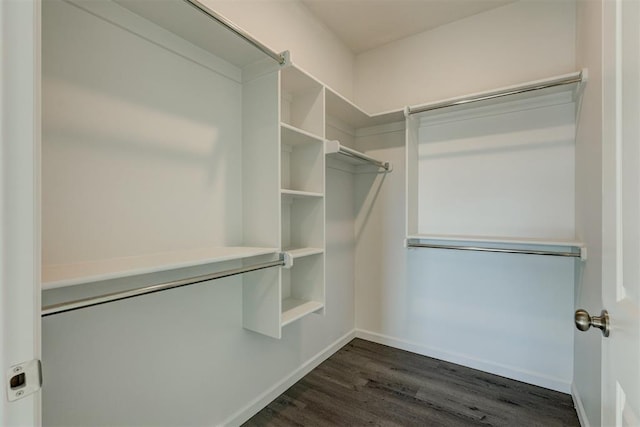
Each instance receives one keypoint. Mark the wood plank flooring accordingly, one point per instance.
(370, 384)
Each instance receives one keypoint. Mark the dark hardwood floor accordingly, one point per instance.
(370, 384)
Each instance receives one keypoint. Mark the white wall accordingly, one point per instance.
(289, 25)
(502, 313)
(507, 314)
(587, 351)
(115, 147)
(522, 41)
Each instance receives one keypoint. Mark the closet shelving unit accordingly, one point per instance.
(302, 194)
(161, 160)
(310, 114)
(522, 205)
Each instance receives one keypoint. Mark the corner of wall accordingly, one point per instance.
(313, 46)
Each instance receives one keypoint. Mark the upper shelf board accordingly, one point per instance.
(570, 84)
(349, 113)
(60, 275)
(187, 21)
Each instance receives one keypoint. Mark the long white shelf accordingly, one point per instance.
(336, 150)
(570, 84)
(60, 275)
(204, 28)
(492, 242)
(346, 111)
(498, 239)
(293, 309)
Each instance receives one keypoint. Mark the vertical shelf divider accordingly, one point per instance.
(261, 295)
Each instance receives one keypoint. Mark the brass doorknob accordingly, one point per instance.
(584, 321)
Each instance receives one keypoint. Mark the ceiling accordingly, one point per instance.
(367, 24)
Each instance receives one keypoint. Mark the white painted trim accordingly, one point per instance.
(20, 142)
(577, 403)
(471, 362)
(265, 398)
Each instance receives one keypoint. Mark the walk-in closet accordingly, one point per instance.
(220, 196)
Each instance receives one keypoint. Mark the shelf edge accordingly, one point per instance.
(92, 278)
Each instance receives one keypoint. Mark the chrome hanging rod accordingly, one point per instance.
(566, 80)
(501, 250)
(279, 57)
(352, 153)
(117, 296)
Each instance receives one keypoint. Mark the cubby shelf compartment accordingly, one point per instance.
(302, 288)
(302, 101)
(338, 151)
(302, 162)
(61, 275)
(294, 309)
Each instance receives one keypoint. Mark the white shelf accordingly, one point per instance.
(293, 309)
(303, 252)
(499, 240)
(294, 136)
(348, 155)
(301, 194)
(524, 91)
(196, 27)
(548, 246)
(346, 111)
(60, 275)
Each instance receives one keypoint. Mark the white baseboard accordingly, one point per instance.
(265, 398)
(464, 360)
(577, 402)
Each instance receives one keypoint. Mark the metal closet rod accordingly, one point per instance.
(132, 293)
(352, 153)
(280, 58)
(498, 94)
(501, 250)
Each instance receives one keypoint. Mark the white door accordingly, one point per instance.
(621, 212)
(19, 211)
